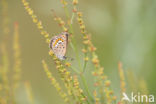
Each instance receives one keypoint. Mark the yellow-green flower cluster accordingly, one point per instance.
(60, 21)
(75, 2)
(97, 100)
(122, 78)
(36, 20)
(90, 48)
(64, 2)
(54, 82)
(5, 20)
(4, 75)
(109, 93)
(78, 91)
(71, 83)
(29, 92)
(87, 45)
(17, 60)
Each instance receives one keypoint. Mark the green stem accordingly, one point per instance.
(76, 53)
(76, 71)
(86, 87)
(74, 46)
(85, 62)
(84, 66)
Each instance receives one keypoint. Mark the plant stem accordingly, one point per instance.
(76, 71)
(86, 87)
(85, 62)
(77, 56)
(74, 46)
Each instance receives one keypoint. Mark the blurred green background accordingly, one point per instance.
(122, 30)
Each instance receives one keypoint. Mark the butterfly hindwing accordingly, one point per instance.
(58, 45)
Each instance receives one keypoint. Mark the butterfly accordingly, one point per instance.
(58, 45)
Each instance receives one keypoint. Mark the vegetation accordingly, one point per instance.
(74, 87)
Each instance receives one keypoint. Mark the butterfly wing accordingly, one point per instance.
(58, 45)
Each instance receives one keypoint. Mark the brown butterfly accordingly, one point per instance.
(58, 44)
